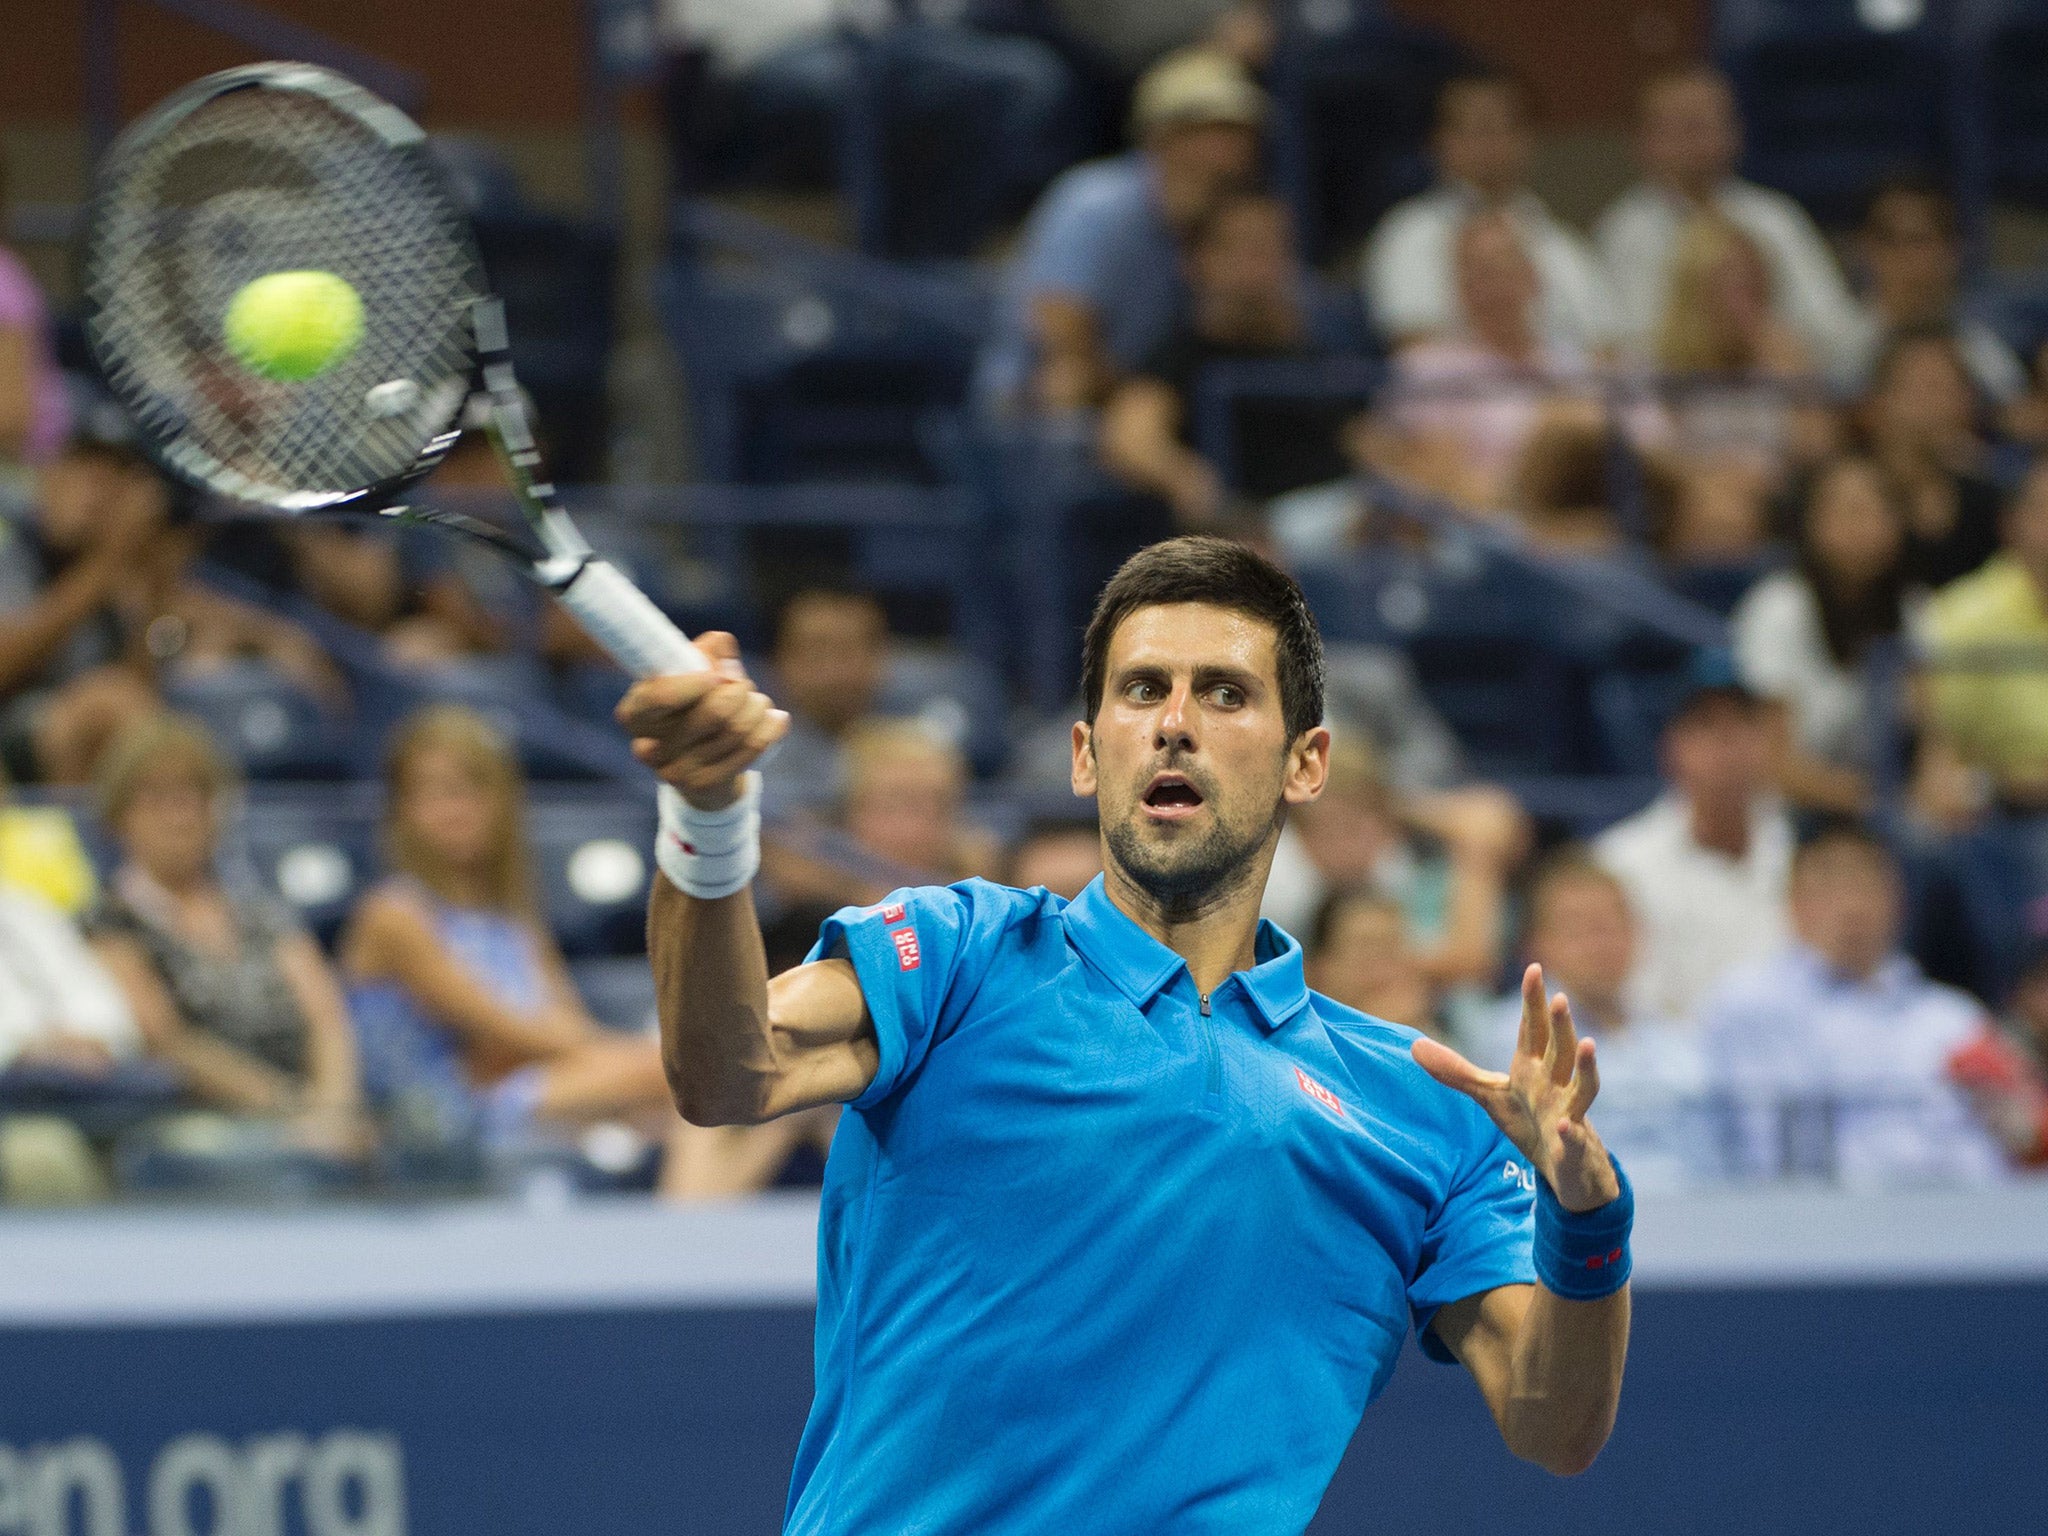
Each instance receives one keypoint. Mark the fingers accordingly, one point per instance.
(1454, 1071)
(1585, 1084)
(1534, 1037)
(1564, 1041)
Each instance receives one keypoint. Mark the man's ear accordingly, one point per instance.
(1308, 766)
(1082, 775)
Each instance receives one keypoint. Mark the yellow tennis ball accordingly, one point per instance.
(293, 325)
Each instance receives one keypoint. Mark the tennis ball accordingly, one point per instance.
(291, 326)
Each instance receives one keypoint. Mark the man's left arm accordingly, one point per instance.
(1548, 1357)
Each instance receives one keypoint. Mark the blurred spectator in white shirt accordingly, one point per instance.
(1656, 1111)
(1705, 865)
(1909, 248)
(1803, 636)
(58, 1004)
(1839, 1055)
(1689, 139)
(1482, 148)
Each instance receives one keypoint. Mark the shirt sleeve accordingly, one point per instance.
(1069, 252)
(1482, 1233)
(1406, 287)
(920, 955)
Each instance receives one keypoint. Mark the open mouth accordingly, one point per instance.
(1169, 797)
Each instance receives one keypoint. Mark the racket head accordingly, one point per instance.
(269, 168)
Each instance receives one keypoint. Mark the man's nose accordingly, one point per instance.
(1176, 728)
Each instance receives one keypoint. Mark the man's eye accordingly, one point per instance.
(1142, 692)
(1227, 695)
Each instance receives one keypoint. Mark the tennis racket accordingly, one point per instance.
(287, 167)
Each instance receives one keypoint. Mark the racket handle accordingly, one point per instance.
(623, 619)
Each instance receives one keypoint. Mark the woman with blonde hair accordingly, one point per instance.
(224, 984)
(1740, 387)
(457, 986)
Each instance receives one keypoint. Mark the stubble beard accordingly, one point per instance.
(1185, 877)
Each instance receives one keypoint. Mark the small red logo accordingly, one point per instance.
(1319, 1093)
(893, 913)
(1597, 1261)
(908, 956)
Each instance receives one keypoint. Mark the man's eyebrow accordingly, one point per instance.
(1211, 672)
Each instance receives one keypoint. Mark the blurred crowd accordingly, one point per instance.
(1756, 949)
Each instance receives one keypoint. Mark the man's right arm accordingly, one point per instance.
(739, 1047)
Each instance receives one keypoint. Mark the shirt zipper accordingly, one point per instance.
(1209, 1044)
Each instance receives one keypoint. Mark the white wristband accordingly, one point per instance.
(709, 854)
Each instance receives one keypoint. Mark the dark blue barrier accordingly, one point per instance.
(1799, 1365)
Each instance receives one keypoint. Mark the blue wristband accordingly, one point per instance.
(1583, 1255)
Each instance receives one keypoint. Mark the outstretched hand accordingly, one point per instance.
(1540, 1102)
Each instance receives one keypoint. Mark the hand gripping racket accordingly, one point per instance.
(286, 167)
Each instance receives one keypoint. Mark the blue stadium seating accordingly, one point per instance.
(1831, 103)
(318, 851)
(593, 857)
(618, 992)
(271, 725)
(1353, 98)
(2002, 55)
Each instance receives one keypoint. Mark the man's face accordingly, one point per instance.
(1496, 280)
(1584, 938)
(1199, 162)
(1718, 752)
(1482, 139)
(1925, 398)
(1690, 135)
(1913, 258)
(1189, 757)
(829, 658)
(905, 807)
(1846, 904)
(1247, 259)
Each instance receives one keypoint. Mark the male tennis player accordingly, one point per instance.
(1125, 1226)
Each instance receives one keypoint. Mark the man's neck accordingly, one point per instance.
(1697, 191)
(1722, 826)
(1215, 937)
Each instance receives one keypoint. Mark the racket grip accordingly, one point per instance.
(624, 620)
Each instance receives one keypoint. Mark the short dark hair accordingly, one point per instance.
(1200, 568)
(1476, 78)
(1920, 186)
(1843, 832)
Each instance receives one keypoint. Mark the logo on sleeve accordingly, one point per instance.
(892, 913)
(908, 956)
(1319, 1093)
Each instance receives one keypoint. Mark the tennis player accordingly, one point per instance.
(1125, 1226)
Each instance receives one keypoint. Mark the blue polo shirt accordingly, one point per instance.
(1098, 1255)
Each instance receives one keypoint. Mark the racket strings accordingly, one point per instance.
(266, 180)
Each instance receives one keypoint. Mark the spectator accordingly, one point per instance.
(906, 793)
(1736, 371)
(458, 988)
(1837, 1052)
(1909, 247)
(831, 651)
(1920, 422)
(225, 987)
(1249, 300)
(1097, 280)
(1996, 717)
(1654, 1087)
(42, 856)
(1444, 857)
(58, 1004)
(1482, 149)
(1705, 865)
(1802, 636)
(1689, 139)
(1359, 954)
(35, 412)
(1062, 856)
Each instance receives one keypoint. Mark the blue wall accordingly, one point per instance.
(1864, 1409)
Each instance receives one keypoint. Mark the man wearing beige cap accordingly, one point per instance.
(1096, 282)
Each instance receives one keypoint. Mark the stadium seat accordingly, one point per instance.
(1834, 97)
(1353, 93)
(593, 857)
(317, 852)
(959, 696)
(270, 725)
(2002, 57)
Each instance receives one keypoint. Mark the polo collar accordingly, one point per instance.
(1142, 967)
